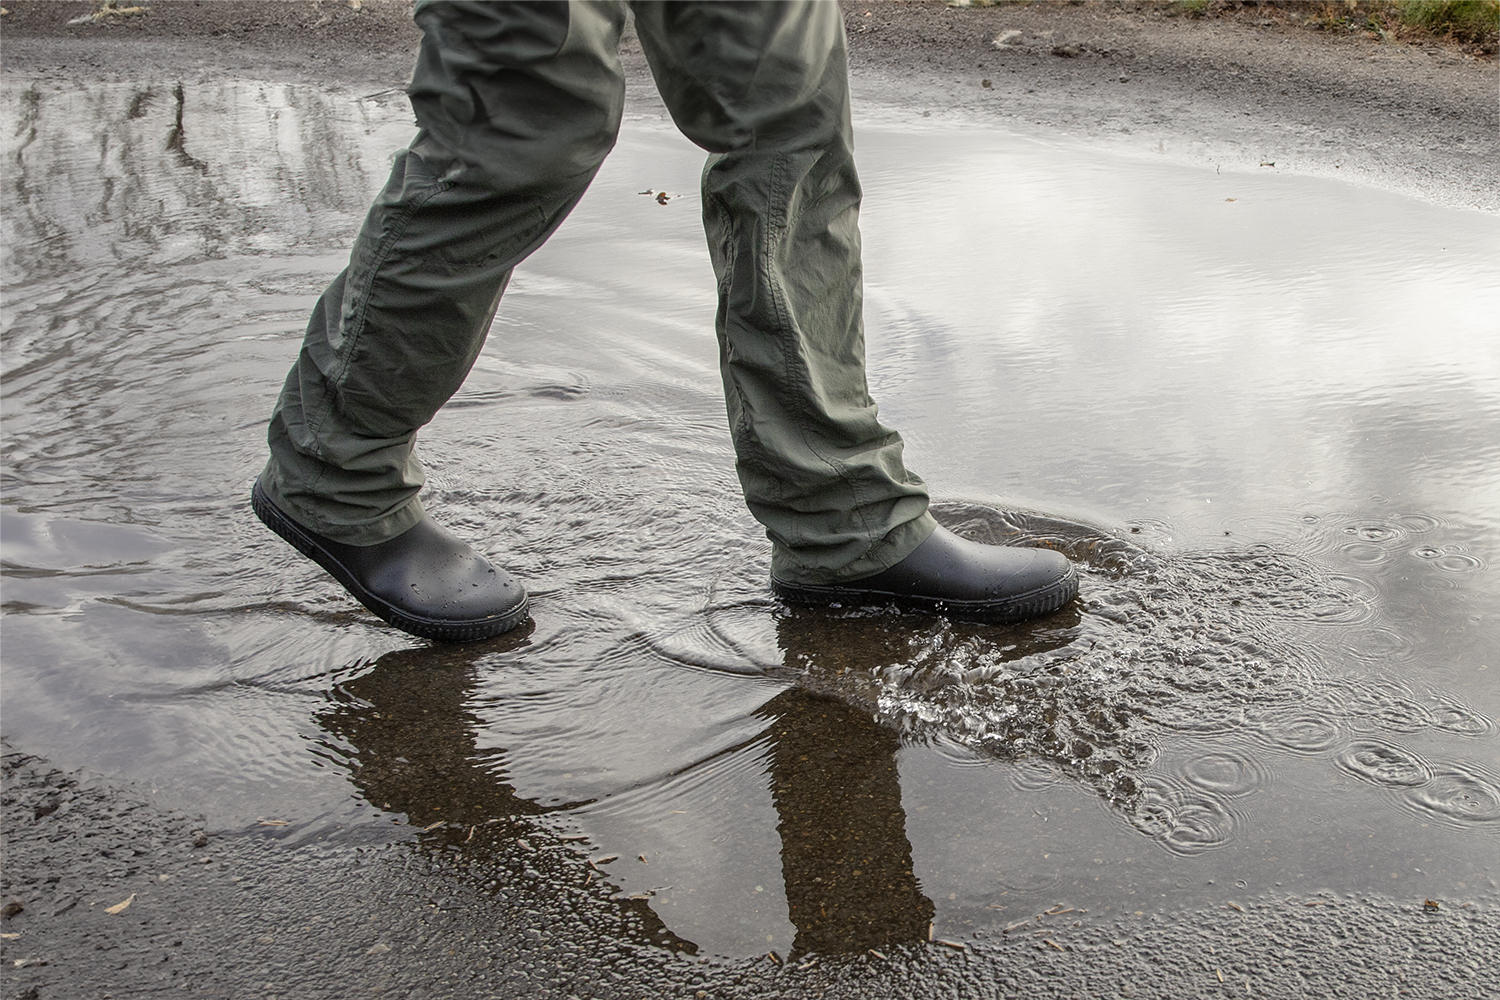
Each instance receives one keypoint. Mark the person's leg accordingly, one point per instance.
(517, 105)
(764, 88)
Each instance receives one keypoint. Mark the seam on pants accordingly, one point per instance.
(778, 301)
(358, 322)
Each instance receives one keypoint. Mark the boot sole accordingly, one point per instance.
(1000, 611)
(427, 628)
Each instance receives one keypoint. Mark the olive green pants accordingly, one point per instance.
(517, 105)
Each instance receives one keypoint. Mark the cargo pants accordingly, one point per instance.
(517, 105)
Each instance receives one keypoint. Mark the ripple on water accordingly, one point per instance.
(1380, 644)
(1417, 523)
(1229, 773)
(1033, 776)
(1373, 705)
(1452, 716)
(1377, 533)
(1181, 820)
(1297, 729)
(1349, 601)
(1458, 562)
(1386, 765)
(1459, 795)
(1365, 553)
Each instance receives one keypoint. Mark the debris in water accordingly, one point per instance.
(1430, 906)
(121, 906)
(108, 9)
(1006, 39)
(662, 197)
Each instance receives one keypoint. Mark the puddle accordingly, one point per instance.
(1259, 411)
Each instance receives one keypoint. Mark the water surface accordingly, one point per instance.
(1262, 412)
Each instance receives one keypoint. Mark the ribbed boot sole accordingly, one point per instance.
(426, 628)
(1032, 604)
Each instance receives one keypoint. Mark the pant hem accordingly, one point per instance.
(897, 544)
(366, 532)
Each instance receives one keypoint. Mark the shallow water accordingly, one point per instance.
(1262, 412)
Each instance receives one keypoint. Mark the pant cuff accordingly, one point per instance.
(898, 543)
(306, 510)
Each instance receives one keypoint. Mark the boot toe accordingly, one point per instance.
(425, 581)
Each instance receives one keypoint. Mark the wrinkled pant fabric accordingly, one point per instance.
(517, 105)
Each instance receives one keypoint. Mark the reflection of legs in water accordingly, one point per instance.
(413, 741)
(412, 751)
(844, 853)
(518, 104)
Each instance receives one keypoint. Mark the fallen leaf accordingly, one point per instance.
(121, 906)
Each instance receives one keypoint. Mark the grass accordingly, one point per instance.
(1472, 23)
(1475, 21)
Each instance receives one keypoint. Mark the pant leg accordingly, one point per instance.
(764, 88)
(517, 104)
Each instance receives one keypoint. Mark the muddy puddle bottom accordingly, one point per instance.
(1262, 412)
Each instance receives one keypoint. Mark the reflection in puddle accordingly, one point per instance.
(1284, 645)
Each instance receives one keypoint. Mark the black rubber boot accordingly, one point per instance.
(425, 581)
(952, 576)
